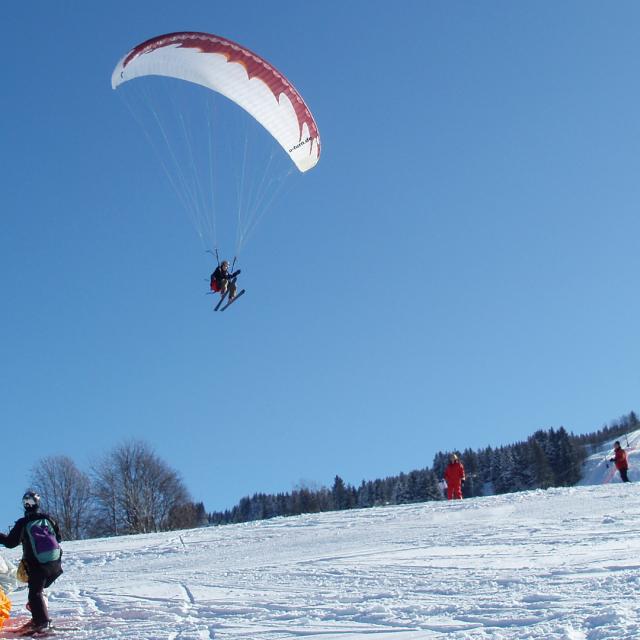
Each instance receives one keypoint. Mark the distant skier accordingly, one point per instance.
(454, 477)
(41, 554)
(621, 462)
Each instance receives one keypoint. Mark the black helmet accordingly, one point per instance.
(30, 501)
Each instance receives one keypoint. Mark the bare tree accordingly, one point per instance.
(136, 492)
(107, 514)
(66, 494)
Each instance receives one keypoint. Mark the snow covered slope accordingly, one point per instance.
(557, 564)
(598, 470)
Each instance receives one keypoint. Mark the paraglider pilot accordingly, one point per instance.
(223, 281)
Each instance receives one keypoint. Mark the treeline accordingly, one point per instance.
(416, 486)
(547, 459)
(616, 429)
(129, 490)
(551, 458)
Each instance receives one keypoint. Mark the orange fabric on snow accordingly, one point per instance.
(5, 607)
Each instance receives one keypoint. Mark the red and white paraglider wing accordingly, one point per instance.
(237, 73)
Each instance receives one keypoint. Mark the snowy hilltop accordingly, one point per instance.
(555, 564)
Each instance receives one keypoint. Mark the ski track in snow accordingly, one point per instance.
(561, 564)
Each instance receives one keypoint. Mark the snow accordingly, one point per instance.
(558, 564)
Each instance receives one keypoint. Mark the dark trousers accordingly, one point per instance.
(623, 475)
(37, 603)
(40, 577)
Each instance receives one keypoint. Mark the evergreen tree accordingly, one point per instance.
(340, 494)
(400, 493)
(365, 495)
(542, 473)
(473, 485)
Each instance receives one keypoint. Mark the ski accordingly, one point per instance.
(222, 299)
(45, 633)
(232, 301)
(26, 630)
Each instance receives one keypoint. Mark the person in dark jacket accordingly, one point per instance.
(40, 575)
(620, 460)
(454, 476)
(223, 281)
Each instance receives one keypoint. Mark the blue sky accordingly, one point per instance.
(459, 270)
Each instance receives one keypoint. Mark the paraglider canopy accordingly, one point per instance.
(239, 74)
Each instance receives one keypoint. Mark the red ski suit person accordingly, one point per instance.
(454, 477)
(621, 462)
(620, 459)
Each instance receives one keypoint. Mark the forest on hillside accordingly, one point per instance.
(548, 458)
(131, 490)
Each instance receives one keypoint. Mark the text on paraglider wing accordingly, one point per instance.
(300, 144)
